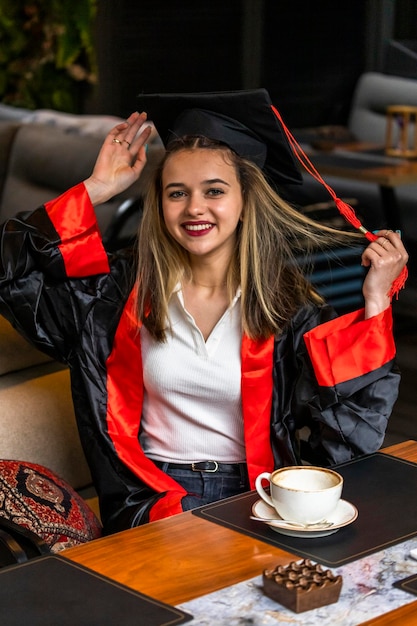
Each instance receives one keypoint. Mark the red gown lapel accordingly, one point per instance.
(257, 385)
(125, 400)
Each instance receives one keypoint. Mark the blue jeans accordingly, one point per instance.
(205, 487)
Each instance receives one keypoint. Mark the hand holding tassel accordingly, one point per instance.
(386, 259)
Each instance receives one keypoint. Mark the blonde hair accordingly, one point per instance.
(270, 238)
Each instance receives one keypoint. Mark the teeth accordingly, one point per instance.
(198, 227)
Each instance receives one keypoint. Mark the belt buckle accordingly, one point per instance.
(209, 471)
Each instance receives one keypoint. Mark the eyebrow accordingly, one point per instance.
(210, 181)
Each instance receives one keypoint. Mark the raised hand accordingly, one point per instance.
(120, 161)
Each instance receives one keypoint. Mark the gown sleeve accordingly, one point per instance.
(346, 385)
(41, 252)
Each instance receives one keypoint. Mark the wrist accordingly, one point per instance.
(97, 192)
(375, 306)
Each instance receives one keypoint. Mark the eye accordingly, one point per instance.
(215, 191)
(176, 194)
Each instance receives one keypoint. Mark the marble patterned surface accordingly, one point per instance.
(366, 593)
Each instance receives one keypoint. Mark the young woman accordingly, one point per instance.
(196, 362)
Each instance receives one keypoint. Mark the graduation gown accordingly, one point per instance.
(334, 376)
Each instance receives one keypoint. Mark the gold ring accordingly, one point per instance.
(126, 141)
(117, 141)
(384, 242)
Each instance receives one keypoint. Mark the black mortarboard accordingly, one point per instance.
(244, 120)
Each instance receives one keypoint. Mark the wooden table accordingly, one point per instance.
(182, 557)
(389, 175)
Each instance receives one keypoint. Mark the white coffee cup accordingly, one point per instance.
(305, 494)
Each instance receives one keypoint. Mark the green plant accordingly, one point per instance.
(47, 54)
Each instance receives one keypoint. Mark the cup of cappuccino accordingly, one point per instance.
(305, 494)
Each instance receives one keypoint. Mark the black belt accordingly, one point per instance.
(206, 466)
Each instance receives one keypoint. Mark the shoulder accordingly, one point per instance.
(309, 316)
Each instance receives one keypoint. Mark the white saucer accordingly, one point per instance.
(345, 514)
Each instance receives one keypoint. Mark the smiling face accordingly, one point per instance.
(202, 201)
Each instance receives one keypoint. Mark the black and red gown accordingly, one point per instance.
(73, 300)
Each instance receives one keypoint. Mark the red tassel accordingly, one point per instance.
(348, 213)
(398, 283)
(343, 207)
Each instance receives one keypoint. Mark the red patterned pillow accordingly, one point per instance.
(35, 497)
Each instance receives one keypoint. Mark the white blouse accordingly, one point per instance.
(192, 405)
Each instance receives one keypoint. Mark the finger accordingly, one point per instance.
(390, 242)
(384, 243)
(374, 252)
(393, 237)
(379, 249)
(368, 257)
(135, 125)
(117, 130)
(126, 131)
(141, 139)
(141, 156)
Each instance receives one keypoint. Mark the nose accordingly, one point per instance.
(195, 205)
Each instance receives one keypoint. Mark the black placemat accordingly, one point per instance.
(382, 487)
(408, 584)
(50, 590)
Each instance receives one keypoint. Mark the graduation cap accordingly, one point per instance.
(243, 120)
